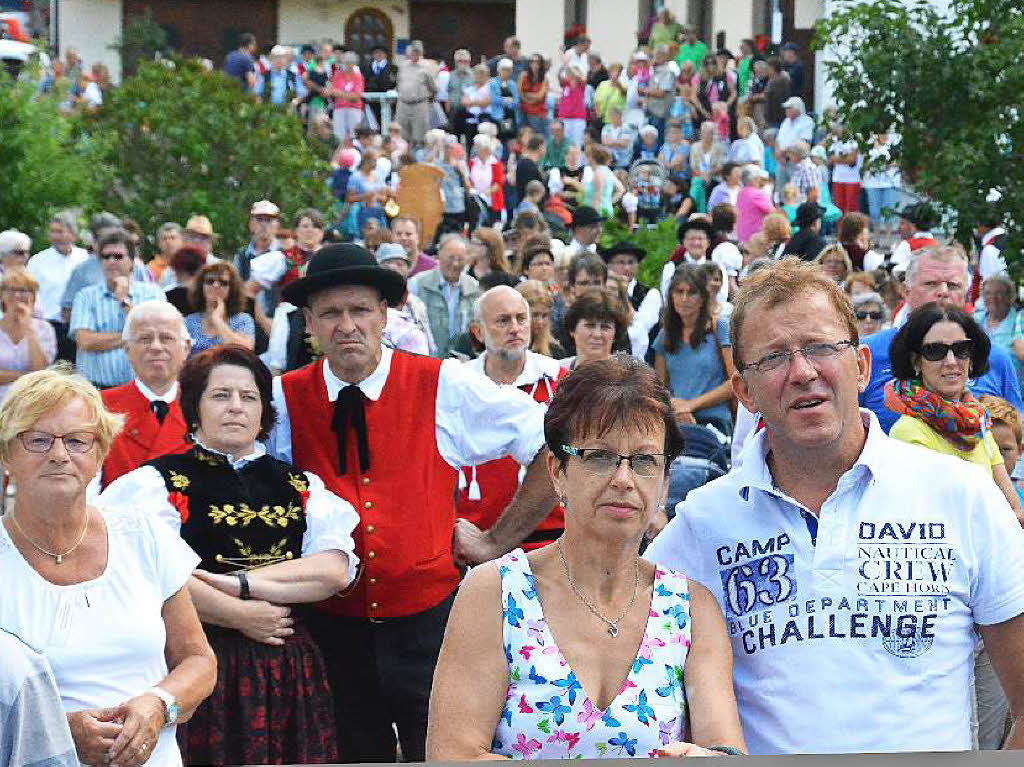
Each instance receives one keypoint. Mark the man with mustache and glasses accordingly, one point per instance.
(844, 559)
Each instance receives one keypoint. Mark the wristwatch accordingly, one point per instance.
(170, 705)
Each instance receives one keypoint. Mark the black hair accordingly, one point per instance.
(907, 341)
(196, 374)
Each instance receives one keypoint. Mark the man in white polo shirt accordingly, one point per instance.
(851, 568)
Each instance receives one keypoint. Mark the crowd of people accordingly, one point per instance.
(388, 483)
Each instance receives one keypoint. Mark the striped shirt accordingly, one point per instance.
(90, 272)
(96, 309)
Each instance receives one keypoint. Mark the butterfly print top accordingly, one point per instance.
(547, 713)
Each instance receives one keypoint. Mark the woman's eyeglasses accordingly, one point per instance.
(217, 281)
(115, 256)
(605, 462)
(936, 352)
(41, 441)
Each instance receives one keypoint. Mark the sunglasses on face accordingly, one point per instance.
(865, 315)
(115, 256)
(936, 352)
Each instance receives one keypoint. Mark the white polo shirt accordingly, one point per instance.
(856, 633)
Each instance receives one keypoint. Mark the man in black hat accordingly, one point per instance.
(379, 76)
(389, 431)
(586, 228)
(808, 242)
(623, 259)
(695, 235)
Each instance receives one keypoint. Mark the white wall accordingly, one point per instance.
(736, 19)
(89, 26)
(539, 26)
(612, 26)
(302, 21)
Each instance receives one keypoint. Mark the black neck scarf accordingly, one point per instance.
(349, 408)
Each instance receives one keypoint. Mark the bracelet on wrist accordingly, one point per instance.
(727, 750)
(243, 586)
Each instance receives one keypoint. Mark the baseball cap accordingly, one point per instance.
(264, 208)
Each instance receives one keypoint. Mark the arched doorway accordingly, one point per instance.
(366, 28)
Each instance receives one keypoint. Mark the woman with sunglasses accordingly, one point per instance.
(216, 296)
(870, 312)
(933, 356)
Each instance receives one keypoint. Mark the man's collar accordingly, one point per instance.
(152, 396)
(535, 367)
(371, 386)
(754, 473)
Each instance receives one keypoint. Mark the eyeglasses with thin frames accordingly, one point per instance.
(42, 441)
(606, 462)
(813, 353)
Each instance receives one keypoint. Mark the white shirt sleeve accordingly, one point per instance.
(638, 339)
(330, 521)
(268, 269)
(277, 345)
(649, 313)
(997, 590)
(478, 421)
(279, 441)
(143, 486)
(666, 276)
(746, 422)
(173, 560)
(991, 262)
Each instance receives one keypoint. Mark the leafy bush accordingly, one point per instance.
(44, 168)
(949, 81)
(140, 39)
(659, 242)
(177, 140)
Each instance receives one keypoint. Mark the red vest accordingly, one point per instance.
(498, 480)
(406, 501)
(143, 437)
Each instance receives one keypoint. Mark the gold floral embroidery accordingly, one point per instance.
(207, 458)
(243, 515)
(179, 481)
(248, 559)
(298, 482)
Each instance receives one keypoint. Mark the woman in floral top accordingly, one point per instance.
(582, 648)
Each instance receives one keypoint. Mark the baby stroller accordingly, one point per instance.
(705, 457)
(648, 177)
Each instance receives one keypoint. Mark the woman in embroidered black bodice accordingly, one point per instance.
(268, 536)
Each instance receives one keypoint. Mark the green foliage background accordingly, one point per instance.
(176, 140)
(45, 168)
(951, 86)
(659, 242)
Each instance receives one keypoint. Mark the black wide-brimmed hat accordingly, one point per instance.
(808, 213)
(921, 215)
(585, 216)
(345, 264)
(694, 223)
(623, 247)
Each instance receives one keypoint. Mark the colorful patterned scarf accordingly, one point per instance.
(963, 422)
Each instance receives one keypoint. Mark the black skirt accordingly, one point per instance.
(271, 705)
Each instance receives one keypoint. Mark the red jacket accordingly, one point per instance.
(143, 437)
(497, 199)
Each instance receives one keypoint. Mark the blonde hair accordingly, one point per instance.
(790, 194)
(19, 278)
(35, 395)
(835, 249)
(784, 282)
(775, 229)
(535, 293)
(1002, 411)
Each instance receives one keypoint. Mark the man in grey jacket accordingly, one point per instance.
(447, 292)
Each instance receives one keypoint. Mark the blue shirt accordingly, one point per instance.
(239, 323)
(1000, 380)
(90, 272)
(693, 372)
(96, 309)
(238, 64)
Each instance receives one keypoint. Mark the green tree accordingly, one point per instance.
(45, 168)
(949, 84)
(177, 140)
(140, 39)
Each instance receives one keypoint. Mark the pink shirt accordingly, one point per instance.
(572, 106)
(752, 205)
(348, 82)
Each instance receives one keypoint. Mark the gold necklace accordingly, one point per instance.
(59, 558)
(613, 625)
